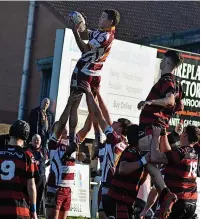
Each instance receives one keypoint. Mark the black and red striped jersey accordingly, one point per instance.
(181, 172)
(125, 187)
(17, 165)
(152, 114)
(100, 42)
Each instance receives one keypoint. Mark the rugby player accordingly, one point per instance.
(130, 174)
(179, 174)
(61, 177)
(115, 140)
(164, 99)
(88, 67)
(18, 170)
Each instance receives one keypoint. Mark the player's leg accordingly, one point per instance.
(95, 83)
(66, 193)
(166, 199)
(109, 207)
(50, 205)
(73, 119)
(39, 188)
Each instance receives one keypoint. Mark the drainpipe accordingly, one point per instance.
(26, 64)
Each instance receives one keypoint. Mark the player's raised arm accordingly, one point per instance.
(86, 129)
(64, 116)
(103, 107)
(84, 47)
(93, 106)
(157, 156)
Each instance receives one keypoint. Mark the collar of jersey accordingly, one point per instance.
(111, 29)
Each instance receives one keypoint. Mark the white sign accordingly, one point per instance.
(80, 202)
(127, 77)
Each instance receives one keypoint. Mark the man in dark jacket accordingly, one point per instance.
(38, 121)
(41, 156)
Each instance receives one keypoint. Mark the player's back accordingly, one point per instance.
(181, 179)
(13, 182)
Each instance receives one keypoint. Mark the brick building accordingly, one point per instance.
(141, 22)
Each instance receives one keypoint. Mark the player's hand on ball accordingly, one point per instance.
(77, 21)
(72, 25)
(156, 131)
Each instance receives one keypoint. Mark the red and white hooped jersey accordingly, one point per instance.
(100, 42)
(61, 174)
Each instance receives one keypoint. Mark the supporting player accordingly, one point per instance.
(61, 178)
(115, 140)
(130, 174)
(162, 102)
(17, 172)
(88, 67)
(180, 173)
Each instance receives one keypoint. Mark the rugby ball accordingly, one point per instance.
(78, 19)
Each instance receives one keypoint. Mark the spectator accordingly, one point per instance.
(174, 136)
(41, 156)
(38, 121)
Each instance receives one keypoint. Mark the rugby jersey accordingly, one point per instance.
(61, 173)
(125, 187)
(17, 165)
(152, 114)
(100, 42)
(181, 172)
(114, 146)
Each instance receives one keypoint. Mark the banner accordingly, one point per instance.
(126, 79)
(189, 73)
(80, 203)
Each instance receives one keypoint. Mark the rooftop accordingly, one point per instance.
(139, 19)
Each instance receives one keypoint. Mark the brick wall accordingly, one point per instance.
(13, 24)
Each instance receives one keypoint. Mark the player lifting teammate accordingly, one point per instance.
(164, 99)
(61, 177)
(88, 67)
